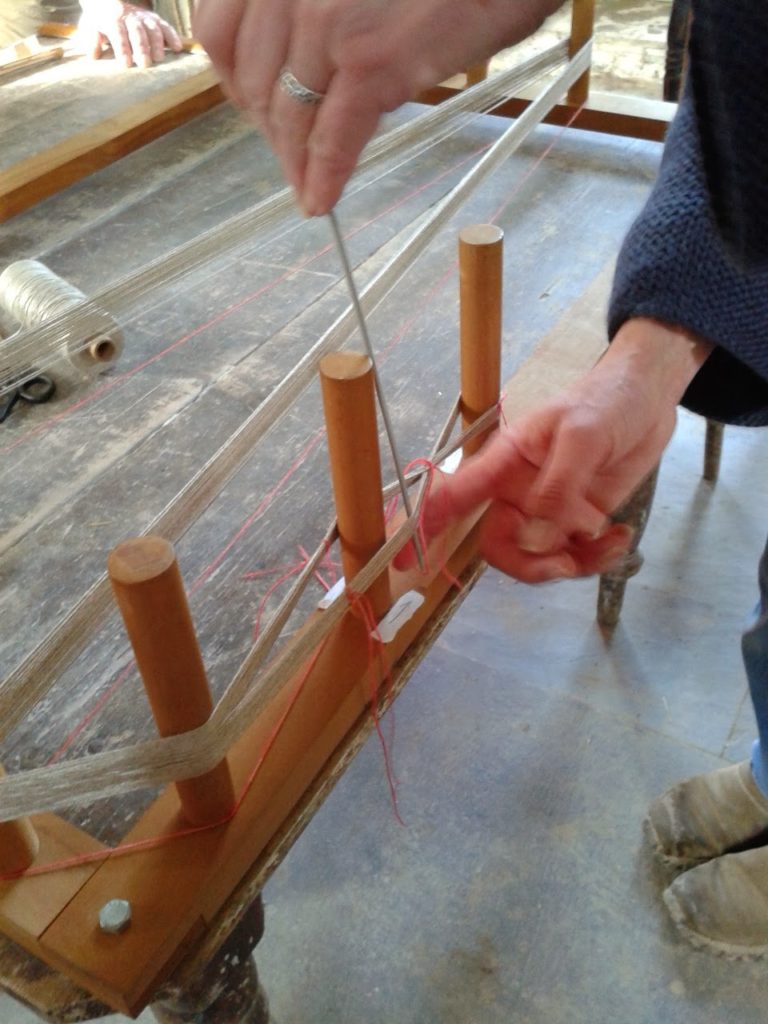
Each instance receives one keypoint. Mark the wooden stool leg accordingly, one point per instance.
(582, 29)
(635, 513)
(713, 449)
(228, 989)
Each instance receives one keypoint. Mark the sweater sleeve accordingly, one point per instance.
(675, 266)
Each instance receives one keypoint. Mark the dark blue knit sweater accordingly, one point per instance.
(697, 256)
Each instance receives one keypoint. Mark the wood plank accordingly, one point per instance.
(39, 176)
(32, 60)
(29, 905)
(628, 116)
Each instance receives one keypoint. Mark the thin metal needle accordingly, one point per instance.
(376, 380)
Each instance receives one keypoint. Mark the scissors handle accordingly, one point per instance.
(37, 389)
(34, 391)
(7, 408)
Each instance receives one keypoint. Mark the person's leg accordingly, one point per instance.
(754, 646)
(722, 904)
(710, 814)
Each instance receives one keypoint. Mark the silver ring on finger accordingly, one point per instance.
(291, 86)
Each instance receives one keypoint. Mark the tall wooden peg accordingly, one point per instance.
(480, 291)
(353, 447)
(150, 594)
(18, 844)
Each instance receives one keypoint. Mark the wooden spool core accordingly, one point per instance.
(480, 290)
(18, 844)
(353, 447)
(150, 594)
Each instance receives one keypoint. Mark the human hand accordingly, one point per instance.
(552, 478)
(137, 35)
(366, 57)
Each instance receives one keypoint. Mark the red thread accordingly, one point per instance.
(153, 842)
(361, 603)
(285, 574)
(447, 516)
(500, 407)
(537, 164)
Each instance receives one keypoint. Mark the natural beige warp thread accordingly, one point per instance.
(63, 334)
(165, 760)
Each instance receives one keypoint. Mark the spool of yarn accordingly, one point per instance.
(32, 294)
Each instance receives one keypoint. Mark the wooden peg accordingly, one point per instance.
(353, 447)
(582, 30)
(149, 591)
(480, 289)
(18, 844)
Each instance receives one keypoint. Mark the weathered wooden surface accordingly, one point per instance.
(610, 113)
(96, 465)
(46, 108)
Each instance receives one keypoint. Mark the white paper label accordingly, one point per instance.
(400, 612)
(452, 463)
(332, 594)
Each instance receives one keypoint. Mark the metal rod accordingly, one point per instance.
(356, 305)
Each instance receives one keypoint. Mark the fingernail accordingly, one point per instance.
(564, 570)
(311, 208)
(538, 536)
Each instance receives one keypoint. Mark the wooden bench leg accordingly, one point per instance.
(635, 513)
(228, 989)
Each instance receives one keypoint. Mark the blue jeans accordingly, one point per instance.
(754, 648)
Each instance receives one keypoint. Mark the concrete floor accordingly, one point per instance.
(527, 747)
(629, 45)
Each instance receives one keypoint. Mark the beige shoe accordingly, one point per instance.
(722, 906)
(707, 816)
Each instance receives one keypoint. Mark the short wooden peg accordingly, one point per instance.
(18, 844)
(149, 591)
(480, 291)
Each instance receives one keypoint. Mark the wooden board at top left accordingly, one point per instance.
(110, 112)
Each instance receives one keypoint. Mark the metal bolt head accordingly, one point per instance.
(115, 916)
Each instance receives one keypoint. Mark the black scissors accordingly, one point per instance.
(34, 390)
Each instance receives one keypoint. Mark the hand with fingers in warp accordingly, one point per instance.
(136, 34)
(552, 478)
(362, 57)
